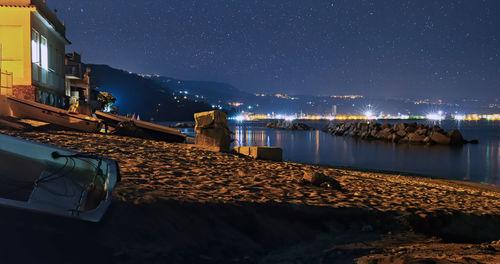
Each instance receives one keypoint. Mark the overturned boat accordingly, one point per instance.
(56, 181)
(137, 128)
(31, 110)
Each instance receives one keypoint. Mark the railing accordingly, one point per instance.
(74, 70)
(46, 78)
(6, 83)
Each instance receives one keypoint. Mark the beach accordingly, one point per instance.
(178, 203)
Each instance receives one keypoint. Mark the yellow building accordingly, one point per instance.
(33, 44)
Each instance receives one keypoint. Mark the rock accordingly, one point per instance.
(421, 131)
(437, 129)
(415, 138)
(288, 125)
(410, 129)
(456, 137)
(414, 125)
(474, 141)
(384, 133)
(397, 133)
(399, 126)
(441, 139)
(395, 138)
(320, 179)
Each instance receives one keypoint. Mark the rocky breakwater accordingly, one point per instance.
(398, 133)
(288, 125)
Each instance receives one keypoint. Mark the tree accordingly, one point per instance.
(106, 99)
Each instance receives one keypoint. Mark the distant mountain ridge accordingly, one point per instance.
(143, 96)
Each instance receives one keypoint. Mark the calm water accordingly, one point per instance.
(479, 163)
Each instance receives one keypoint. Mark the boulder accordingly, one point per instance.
(288, 125)
(416, 138)
(456, 137)
(437, 129)
(320, 179)
(399, 126)
(410, 129)
(386, 125)
(441, 139)
(421, 131)
(384, 133)
(401, 133)
(404, 140)
(395, 138)
(414, 124)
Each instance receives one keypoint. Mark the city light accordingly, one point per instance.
(369, 115)
(435, 116)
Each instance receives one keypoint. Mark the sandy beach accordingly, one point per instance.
(181, 204)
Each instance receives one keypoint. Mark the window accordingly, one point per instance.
(44, 58)
(35, 47)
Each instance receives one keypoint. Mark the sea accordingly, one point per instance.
(470, 162)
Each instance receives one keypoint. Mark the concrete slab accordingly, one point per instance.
(264, 153)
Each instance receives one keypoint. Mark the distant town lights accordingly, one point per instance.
(435, 116)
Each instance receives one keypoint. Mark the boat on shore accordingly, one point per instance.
(31, 110)
(47, 179)
(150, 130)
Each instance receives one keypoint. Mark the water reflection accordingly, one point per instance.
(478, 163)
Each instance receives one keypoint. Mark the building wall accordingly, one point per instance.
(16, 2)
(15, 38)
(39, 75)
(55, 70)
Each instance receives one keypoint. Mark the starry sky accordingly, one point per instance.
(379, 48)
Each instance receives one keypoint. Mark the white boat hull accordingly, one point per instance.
(67, 184)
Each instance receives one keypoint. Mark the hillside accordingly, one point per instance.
(213, 92)
(143, 96)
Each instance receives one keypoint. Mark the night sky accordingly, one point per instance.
(389, 48)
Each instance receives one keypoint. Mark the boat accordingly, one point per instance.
(151, 130)
(51, 180)
(32, 110)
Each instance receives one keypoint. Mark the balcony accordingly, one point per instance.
(74, 70)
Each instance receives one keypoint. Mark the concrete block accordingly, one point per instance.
(210, 119)
(213, 137)
(264, 153)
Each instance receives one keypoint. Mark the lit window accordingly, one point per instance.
(44, 59)
(35, 47)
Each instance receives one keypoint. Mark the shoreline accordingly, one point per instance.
(189, 205)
